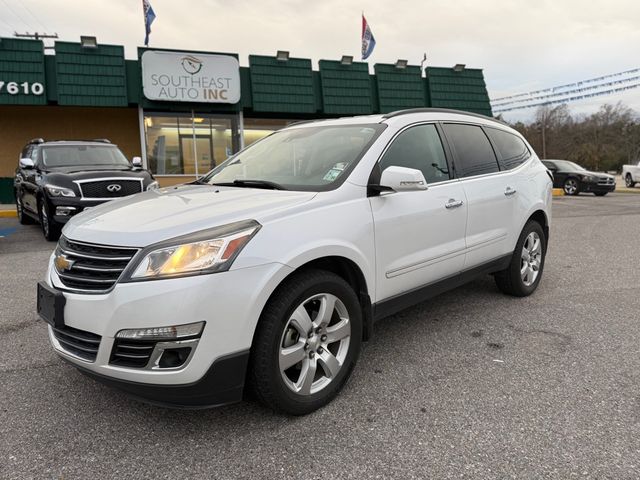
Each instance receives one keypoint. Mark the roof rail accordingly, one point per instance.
(36, 140)
(408, 111)
(103, 140)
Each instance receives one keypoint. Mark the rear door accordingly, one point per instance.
(419, 236)
(490, 193)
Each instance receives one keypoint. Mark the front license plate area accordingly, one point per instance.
(51, 305)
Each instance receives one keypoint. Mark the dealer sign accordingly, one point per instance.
(190, 77)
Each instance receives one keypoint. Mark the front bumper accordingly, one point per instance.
(229, 303)
(222, 384)
(598, 188)
(72, 205)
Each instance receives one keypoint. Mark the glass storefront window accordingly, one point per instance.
(257, 128)
(187, 144)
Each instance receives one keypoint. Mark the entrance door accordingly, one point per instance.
(198, 153)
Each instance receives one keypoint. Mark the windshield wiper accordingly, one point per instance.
(252, 184)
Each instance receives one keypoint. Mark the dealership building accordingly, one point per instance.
(184, 112)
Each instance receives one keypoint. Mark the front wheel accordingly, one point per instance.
(306, 344)
(23, 218)
(523, 275)
(50, 228)
(571, 186)
(628, 181)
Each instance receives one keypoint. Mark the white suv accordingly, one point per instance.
(270, 271)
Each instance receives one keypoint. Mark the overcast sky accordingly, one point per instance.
(522, 45)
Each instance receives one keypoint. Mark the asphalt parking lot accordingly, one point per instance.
(471, 384)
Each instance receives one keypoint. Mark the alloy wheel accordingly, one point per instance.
(570, 187)
(19, 207)
(627, 181)
(530, 259)
(314, 344)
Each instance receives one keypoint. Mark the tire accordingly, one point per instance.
(512, 279)
(571, 186)
(599, 194)
(50, 228)
(628, 181)
(23, 218)
(281, 331)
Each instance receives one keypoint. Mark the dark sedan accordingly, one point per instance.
(574, 179)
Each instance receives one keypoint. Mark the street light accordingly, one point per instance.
(459, 67)
(402, 64)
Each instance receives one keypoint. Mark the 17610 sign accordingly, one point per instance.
(190, 77)
(21, 88)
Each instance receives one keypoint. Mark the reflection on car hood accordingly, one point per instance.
(150, 217)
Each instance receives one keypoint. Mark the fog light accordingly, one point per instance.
(174, 357)
(176, 332)
(65, 211)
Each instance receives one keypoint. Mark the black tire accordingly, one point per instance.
(628, 181)
(23, 218)
(510, 280)
(50, 228)
(600, 194)
(264, 377)
(571, 186)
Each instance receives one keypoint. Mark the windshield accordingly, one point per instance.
(310, 158)
(83, 155)
(569, 166)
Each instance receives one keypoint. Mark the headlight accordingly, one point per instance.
(56, 191)
(205, 252)
(153, 186)
(588, 178)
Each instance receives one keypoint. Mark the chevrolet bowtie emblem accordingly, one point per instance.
(62, 263)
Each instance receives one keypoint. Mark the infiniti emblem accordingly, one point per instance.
(114, 187)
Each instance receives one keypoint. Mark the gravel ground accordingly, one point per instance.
(471, 384)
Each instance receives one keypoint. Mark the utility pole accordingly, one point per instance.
(36, 36)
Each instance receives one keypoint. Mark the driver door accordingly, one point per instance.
(419, 235)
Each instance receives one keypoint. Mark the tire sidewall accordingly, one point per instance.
(289, 400)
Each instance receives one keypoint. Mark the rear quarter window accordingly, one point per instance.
(512, 151)
(473, 152)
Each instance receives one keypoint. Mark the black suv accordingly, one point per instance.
(57, 179)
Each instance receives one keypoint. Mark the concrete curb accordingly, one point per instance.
(558, 192)
(8, 213)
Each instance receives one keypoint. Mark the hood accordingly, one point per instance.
(150, 217)
(82, 172)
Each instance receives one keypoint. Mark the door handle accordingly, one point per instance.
(453, 203)
(509, 191)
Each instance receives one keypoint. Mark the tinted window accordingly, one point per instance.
(512, 149)
(474, 154)
(420, 148)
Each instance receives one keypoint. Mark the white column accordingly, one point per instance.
(241, 128)
(143, 138)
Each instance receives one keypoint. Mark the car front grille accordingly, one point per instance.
(109, 188)
(88, 267)
(131, 353)
(605, 181)
(78, 342)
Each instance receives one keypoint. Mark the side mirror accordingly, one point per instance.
(26, 163)
(401, 179)
(136, 162)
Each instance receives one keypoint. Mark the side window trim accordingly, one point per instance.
(374, 176)
(455, 157)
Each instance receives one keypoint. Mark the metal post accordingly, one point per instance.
(143, 138)
(195, 148)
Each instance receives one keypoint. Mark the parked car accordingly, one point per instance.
(58, 179)
(271, 270)
(574, 179)
(631, 174)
